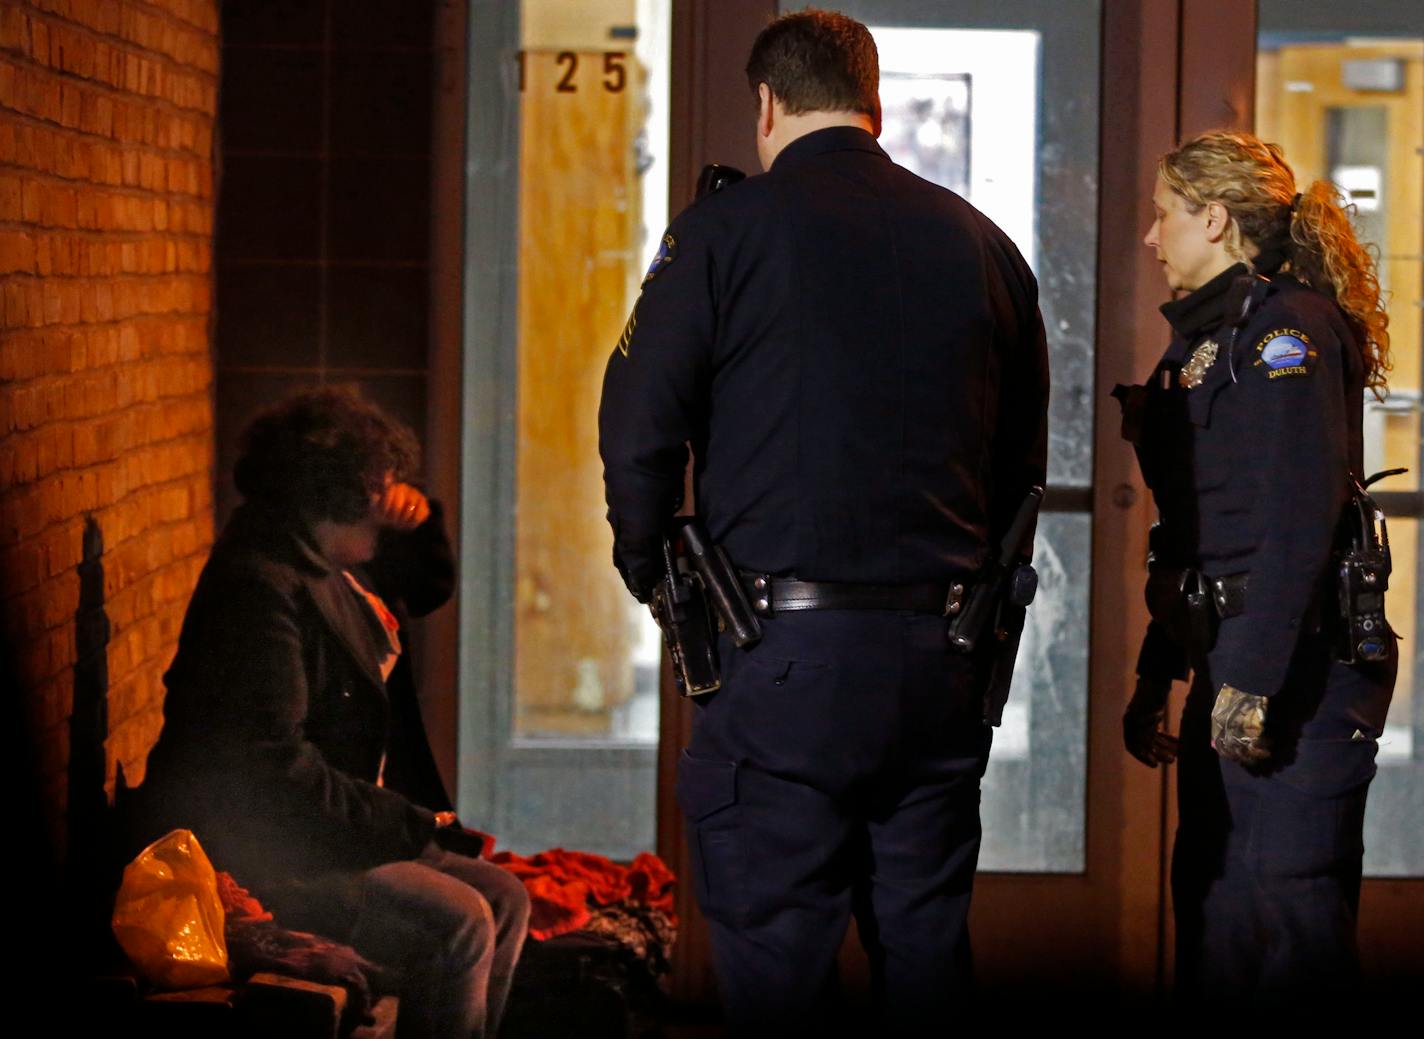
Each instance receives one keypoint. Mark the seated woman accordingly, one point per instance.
(277, 717)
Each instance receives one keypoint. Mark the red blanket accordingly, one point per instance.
(566, 886)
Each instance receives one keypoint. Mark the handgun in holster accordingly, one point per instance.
(684, 615)
(700, 596)
(1363, 566)
(990, 619)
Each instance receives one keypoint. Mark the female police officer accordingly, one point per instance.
(1248, 433)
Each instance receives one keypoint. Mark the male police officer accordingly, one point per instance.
(856, 359)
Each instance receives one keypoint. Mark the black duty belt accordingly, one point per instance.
(1191, 604)
(770, 595)
(1167, 588)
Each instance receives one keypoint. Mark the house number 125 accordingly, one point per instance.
(614, 75)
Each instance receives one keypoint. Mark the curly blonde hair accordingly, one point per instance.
(1310, 233)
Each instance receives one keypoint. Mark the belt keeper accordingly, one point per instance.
(1228, 594)
(761, 588)
(955, 600)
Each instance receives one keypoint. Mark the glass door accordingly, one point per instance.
(1341, 89)
(567, 184)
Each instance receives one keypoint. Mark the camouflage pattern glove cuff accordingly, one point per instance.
(1238, 724)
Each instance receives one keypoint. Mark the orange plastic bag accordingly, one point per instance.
(168, 917)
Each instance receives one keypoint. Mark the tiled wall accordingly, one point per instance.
(323, 251)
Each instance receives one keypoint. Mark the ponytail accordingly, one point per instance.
(1325, 254)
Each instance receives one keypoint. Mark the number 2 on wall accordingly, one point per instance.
(615, 72)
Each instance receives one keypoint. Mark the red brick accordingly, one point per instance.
(14, 29)
(32, 205)
(45, 256)
(17, 252)
(27, 465)
(71, 105)
(59, 601)
(44, 302)
(38, 45)
(129, 743)
(44, 454)
(12, 197)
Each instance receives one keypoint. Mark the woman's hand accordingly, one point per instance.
(402, 507)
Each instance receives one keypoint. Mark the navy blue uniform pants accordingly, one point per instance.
(837, 770)
(1267, 863)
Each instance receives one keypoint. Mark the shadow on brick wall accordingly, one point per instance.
(63, 897)
(90, 827)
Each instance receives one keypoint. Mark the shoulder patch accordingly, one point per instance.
(1283, 352)
(667, 252)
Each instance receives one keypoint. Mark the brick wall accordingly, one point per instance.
(106, 221)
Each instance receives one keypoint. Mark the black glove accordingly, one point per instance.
(1142, 731)
(1238, 725)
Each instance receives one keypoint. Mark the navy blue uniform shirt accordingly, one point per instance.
(1250, 468)
(855, 356)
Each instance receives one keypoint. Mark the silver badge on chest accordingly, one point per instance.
(1194, 370)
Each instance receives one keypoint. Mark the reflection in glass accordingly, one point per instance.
(1035, 784)
(566, 194)
(962, 108)
(588, 124)
(925, 125)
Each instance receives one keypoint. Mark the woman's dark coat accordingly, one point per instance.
(277, 719)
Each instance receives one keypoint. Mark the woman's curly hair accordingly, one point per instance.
(324, 454)
(1310, 231)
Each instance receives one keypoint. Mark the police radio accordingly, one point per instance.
(715, 177)
(1363, 568)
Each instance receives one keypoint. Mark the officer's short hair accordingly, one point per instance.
(817, 61)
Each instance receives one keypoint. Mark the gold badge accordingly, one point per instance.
(1194, 370)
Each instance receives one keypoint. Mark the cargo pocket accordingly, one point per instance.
(707, 794)
(1312, 823)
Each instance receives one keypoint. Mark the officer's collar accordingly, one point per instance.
(831, 139)
(1205, 309)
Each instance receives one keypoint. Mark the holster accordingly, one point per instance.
(1002, 651)
(689, 629)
